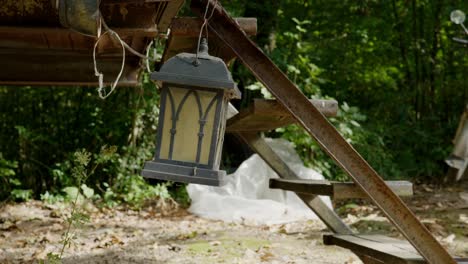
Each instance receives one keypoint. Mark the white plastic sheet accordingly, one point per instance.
(246, 197)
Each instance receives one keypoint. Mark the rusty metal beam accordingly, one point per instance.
(324, 133)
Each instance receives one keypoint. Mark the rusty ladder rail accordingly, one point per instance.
(324, 133)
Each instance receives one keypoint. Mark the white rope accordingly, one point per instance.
(204, 26)
(147, 56)
(155, 54)
(101, 90)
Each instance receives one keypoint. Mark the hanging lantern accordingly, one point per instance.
(194, 98)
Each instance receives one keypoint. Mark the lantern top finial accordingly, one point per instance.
(203, 51)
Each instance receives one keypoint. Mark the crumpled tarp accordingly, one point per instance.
(246, 197)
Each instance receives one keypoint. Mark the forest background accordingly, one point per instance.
(392, 65)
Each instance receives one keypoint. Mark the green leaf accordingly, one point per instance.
(71, 191)
(88, 192)
(20, 194)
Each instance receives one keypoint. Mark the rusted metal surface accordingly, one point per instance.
(324, 133)
(265, 115)
(336, 190)
(327, 215)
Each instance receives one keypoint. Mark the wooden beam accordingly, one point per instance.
(23, 32)
(184, 37)
(385, 249)
(66, 68)
(336, 190)
(170, 11)
(190, 26)
(265, 115)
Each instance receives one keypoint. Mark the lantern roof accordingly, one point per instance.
(203, 70)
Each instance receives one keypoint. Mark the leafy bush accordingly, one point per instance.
(42, 127)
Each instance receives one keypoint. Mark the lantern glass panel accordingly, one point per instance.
(189, 124)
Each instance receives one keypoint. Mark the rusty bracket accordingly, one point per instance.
(324, 133)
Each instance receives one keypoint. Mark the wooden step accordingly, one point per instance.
(264, 115)
(336, 190)
(378, 247)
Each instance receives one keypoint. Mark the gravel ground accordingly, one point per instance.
(29, 231)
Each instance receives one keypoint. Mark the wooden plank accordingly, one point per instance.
(336, 190)
(264, 115)
(381, 248)
(66, 68)
(24, 32)
(388, 251)
(327, 215)
(315, 187)
(190, 26)
(170, 11)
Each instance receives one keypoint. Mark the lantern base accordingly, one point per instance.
(178, 173)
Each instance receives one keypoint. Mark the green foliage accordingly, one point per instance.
(52, 258)
(39, 158)
(82, 169)
(10, 183)
(395, 60)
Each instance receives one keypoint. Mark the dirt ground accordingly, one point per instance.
(31, 230)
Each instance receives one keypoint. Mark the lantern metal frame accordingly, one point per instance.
(193, 73)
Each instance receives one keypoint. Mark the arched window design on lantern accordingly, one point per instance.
(197, 109)
(195, 93)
